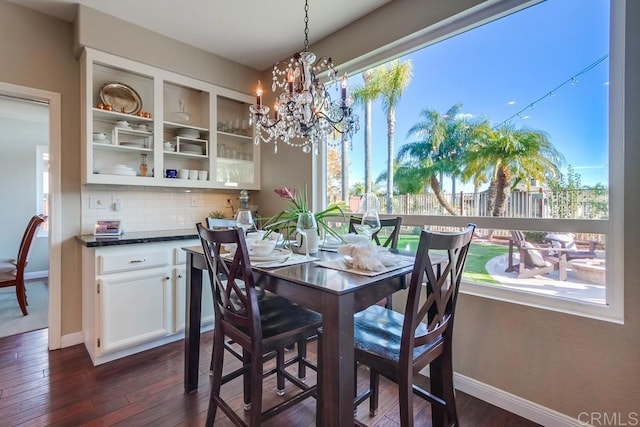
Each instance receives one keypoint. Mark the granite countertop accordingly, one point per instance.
(91, 241)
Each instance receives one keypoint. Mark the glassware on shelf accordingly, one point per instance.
(181, 116)
(143, 165)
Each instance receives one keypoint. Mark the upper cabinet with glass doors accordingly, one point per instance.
(147, 126)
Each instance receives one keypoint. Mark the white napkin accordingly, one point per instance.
(366, 256)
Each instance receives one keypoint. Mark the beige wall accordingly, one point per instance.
(36, 52)
(151, 48)
(567, 363)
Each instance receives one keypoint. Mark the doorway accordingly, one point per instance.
(52, 100)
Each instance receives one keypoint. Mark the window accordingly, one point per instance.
(511, 126)
(42, 186)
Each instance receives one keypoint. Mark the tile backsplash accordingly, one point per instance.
(151, 208)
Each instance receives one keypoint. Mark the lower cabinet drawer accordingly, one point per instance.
(115, 263)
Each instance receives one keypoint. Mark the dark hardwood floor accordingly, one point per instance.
(62, 388)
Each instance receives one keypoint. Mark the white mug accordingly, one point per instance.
(193, 174)
(183, 174)
(202, 175)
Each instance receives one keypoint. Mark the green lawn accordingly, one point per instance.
(479, 255)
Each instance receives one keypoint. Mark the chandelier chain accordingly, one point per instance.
(306, 25)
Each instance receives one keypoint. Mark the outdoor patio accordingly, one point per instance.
(548, 284)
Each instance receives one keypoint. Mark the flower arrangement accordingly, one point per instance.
(297, 202)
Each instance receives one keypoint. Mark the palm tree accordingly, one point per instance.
(345, 169)
(365, 95)
(507, 155)
(391, 80)
(408, 178)
(443, 139)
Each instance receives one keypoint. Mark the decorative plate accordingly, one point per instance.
(121, 97)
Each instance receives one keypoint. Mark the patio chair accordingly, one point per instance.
(535, 259)
(567, 242)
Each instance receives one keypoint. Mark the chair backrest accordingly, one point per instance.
(518, 237)
(27, 239)
(442, 284)
(234, 295)
(390, 225)
(220, 223)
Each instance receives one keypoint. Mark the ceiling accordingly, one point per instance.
(251, 32)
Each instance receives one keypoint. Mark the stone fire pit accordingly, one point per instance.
(589, 270)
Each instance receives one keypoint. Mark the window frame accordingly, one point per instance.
(41, 150)
(612, 228)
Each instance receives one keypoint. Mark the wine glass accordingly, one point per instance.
(306, 224)
(370, 223)
(244, 220)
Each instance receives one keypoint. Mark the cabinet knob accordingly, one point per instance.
(179, 276)
(137, 260)
(167, 278)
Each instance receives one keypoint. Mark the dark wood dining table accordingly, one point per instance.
(335, 294)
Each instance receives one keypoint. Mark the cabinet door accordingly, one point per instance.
(180, 304)
(237, 157)
(135, 308)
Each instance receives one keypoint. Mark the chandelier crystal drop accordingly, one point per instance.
(304, 115)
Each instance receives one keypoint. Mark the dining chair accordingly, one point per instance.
(387, 225)
(221, 223)
(228, 224)
(12, 270)
(262, 327)
(399, 345)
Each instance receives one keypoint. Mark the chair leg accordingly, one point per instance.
(302, 356)
(21, 295)
(246, 380)
(374, 386)
(405, 398)
(389, 303)
(255, 414)
(279, 374)
(319, 406)
(436, 386)
(448, 391)
(216, 381)
(441, 381)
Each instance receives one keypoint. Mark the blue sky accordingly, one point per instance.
(498, 69)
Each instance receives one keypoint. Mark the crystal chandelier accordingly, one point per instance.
(304, 115)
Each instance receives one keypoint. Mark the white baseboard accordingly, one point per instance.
(71, 339)
(512, 403)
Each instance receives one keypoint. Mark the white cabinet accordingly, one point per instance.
(135, 309)
(180, 291)
(180, 302)
(134, 297)
(173, 122)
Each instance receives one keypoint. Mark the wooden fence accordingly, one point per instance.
(574, 204)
